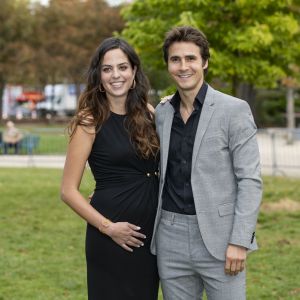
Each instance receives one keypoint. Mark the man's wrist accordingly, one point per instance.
(239, 246)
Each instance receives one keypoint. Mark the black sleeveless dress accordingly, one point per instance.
(126, 191)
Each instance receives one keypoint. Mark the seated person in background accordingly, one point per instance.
(11, 137)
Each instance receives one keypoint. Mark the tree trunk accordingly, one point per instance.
(235, 86)
(290, 113)
(245, 91)
(2, 86)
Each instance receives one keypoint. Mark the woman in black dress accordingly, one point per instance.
(114, 130)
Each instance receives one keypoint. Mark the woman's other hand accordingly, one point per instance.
(125, 235)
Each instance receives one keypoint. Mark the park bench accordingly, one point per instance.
(28, 144)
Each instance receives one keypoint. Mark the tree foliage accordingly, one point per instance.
(50, 44)
(15, 52)
(68, 33)
(251, 41)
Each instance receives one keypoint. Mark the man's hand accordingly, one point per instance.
(235, 259)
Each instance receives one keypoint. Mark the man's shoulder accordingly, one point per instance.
(232, 107)
(228, 100)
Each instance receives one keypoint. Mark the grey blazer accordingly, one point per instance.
(225, 174)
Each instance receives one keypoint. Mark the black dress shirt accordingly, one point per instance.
(177, 194)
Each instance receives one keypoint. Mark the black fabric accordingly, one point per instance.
(177, 193)
(124, 192)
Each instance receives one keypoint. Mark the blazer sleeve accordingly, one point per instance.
(159, 117)
(246, 166)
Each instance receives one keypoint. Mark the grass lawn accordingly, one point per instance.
(53, 140)
(52, 143)
(42, 240)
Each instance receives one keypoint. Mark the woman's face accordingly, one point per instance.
(116, 74)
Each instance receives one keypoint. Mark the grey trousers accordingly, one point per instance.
(185, 266)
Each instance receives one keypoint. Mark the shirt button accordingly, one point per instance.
(184, 161)
(187, 184)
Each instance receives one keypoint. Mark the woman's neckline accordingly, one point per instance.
(116, 114)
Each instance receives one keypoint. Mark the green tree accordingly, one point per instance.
(15, 51)
(68, 33)
(252, 42)
(51, 44)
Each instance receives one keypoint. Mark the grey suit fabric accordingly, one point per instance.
(185, 266)
(225, 174)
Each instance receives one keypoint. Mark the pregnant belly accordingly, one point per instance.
(133, 203)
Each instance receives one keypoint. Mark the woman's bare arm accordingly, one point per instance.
(123, 233)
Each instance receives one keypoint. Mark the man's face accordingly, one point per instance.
(186, 66)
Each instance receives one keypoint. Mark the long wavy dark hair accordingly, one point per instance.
(93, 108)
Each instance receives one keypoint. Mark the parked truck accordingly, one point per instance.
(60, 99)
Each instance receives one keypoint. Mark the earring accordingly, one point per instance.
(133, 85)
(101, 88)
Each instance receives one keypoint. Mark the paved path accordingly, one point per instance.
(24, 161)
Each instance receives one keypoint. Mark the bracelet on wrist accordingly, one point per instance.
(104, 223)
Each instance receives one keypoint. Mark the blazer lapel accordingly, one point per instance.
(206, 114)
(165, 138)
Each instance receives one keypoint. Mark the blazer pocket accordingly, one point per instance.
(212, 145)
(212, 140)
(226, 209)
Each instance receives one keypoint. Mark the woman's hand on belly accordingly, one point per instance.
(125, 235)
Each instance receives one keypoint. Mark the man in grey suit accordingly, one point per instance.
(210, 185)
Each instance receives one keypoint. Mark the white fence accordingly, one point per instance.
(279, 155)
